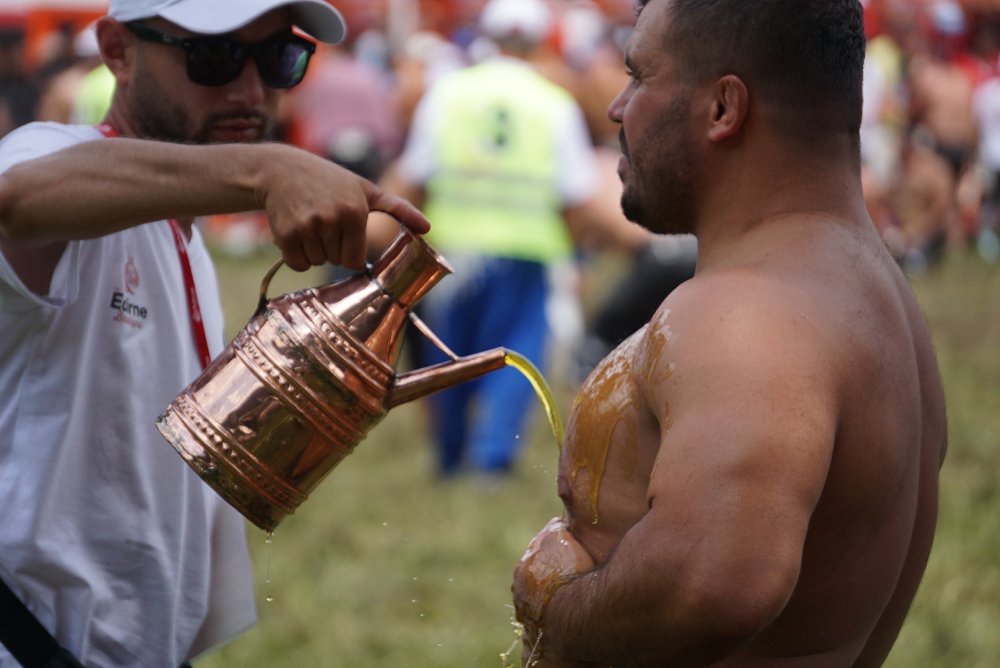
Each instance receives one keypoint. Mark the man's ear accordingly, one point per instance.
(730, 104)
(116, 45)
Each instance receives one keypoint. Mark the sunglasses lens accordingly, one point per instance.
(282, 63)
(215, 62)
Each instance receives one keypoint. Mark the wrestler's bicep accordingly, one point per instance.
(747, 430)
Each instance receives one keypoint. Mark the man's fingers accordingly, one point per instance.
(555, 524)
(295, 258)
(400, 209)
(315, 252)
(353, 247)
(342, 236)
(330, 241)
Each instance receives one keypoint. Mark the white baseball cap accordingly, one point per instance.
(528, 19)
(317, 18)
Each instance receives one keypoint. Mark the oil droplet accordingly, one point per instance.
(267, 568)
(524, 365)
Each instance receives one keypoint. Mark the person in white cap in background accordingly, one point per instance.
(119, 554)
(499, 158)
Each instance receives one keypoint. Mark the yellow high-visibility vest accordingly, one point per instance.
(94, 96)
(495, 191)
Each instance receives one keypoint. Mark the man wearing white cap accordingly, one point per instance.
(112, 551)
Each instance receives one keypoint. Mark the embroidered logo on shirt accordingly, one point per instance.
(131, 276)
(126, 311)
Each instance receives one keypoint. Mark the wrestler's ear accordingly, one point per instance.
(730, 102)
(117, 47)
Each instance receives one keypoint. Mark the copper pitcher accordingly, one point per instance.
(300, 386)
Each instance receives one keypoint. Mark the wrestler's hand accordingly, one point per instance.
(553, 557)
(318, 210)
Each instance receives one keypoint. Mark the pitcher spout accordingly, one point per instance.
(421, 382)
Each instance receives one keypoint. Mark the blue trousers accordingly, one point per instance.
(487, 303)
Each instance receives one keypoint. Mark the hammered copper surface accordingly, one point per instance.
(301, 385)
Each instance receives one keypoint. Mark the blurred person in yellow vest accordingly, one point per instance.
(94, 95)
(501, 160)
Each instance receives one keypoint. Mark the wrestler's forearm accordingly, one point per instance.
(648, 605)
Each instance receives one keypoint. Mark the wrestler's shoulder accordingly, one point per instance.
(740, 300)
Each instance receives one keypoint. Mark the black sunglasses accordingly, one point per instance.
(216, 61)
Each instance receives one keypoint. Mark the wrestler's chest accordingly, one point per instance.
(608, 454)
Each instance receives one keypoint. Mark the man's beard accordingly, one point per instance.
(632, 207)
(658, 191)
(155, 117)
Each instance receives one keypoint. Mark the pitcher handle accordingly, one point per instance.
(264, 285)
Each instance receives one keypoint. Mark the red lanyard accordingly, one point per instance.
(197, 324)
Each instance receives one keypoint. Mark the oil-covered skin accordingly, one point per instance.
(820, 468)
(610, 437)
(602, 446)
(755, 474)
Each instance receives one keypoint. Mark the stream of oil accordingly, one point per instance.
(534, 377)
(537, 381)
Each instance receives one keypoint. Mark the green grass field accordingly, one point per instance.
(386, 566)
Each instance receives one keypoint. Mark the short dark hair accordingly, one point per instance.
(802, 58)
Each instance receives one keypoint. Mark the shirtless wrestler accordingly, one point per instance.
(751, 479)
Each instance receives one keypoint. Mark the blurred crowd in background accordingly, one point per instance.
(930, 138)
(931, 130)
(931, 134)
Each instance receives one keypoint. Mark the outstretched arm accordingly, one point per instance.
(317, 209)
(747, 429)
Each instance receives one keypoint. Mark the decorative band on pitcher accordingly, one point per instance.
(291, 388)
(345, 347)
(226, 451)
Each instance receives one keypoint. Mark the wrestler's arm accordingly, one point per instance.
(317, 210)
(748, 419)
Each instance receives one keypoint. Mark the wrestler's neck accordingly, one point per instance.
(742, 198)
